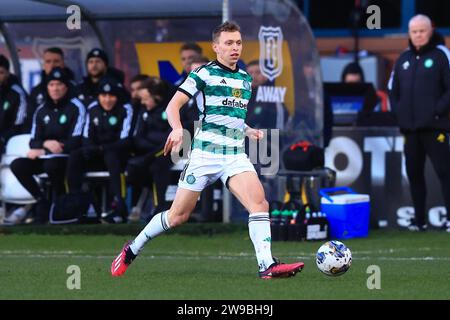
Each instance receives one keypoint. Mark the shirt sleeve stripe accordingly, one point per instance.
(22, 111)
(81, 117)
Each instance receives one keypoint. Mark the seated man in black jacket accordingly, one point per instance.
(56, 131)
(149, 168)
(106, 141)
(52, 57)
(13, 104)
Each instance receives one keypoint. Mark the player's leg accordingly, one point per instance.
(179, 212)
(249, 191)
(182, 206)
(196, 175)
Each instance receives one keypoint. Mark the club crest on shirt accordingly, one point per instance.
(112, 120)
(46, 119)
(6, 105)
(145, 116)
(96, 121)
(62, 119)
(190, 179)
(237, 93)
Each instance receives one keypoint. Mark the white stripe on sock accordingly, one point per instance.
(156, 226)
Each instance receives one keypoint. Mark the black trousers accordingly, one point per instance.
(24, 169)
(154, 173)
(419, 145)
(83, 160)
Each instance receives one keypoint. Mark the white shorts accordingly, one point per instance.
(201, 171)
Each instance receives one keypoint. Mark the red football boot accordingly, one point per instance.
(281, 270)
(122, 261)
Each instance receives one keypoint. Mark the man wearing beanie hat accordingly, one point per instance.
(52, 57)
(56, 131)
(13, 104)
(106, 142)
(96, 66)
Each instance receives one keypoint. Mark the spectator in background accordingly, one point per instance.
(106, 144)
(197, 62)
(353, 73)
(135, 84)
(263, 114)
(189, 112)
(149, 168)
(97, 65)
(161, 30)
(56, 131)
(53, 57)
(13, 104)
(188, 52)
(420, 96)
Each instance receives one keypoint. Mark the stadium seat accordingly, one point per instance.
(11, 190)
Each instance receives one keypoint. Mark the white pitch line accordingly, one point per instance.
(209, 257)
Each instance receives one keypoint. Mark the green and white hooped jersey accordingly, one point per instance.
(222, 102)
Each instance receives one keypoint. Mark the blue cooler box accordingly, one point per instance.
(348, 214)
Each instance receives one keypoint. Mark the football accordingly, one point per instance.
(333, 258)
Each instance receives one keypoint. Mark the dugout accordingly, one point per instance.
(144, 36)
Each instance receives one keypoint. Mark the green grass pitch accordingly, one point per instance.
(218, 265)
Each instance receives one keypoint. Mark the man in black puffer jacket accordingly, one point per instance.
(105, 145)
(53, 57)
(150, 168)
(56, 131)
(420, 95)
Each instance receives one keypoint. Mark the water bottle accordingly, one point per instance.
(275, 217)
(307, 215)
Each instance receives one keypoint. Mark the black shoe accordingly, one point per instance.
(41, 212)
(417, 227)
(118, 213)
(113, 218)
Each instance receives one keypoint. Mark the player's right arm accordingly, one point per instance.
(175, 138)
(193, 83)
